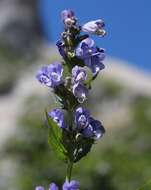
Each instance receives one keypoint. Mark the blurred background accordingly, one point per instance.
(120, 97)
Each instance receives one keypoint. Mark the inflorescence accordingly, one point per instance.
(72, 129)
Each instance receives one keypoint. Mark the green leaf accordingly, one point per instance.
(146, 186)
(55, 139)
(83, 148)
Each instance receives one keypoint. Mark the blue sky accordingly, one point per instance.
(128, 24)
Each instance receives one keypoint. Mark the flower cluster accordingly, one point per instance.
(84, 123)
(76, 130)
(72, 185)
(51, 75)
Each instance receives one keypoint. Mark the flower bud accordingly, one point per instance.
(94, 27)
(68, 18)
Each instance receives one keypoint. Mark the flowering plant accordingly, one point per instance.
(72, 129)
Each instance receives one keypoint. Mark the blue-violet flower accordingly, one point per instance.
(91, 55)
(68, 18)
(78, 74)
(61, 48)
(53, 186)
(58, 116)
(94, 130)
(39, 188)
(51, 75)
(72, 185)
(80, 92)
(81, 118)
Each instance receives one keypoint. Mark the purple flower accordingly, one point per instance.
(39, 188)
(85, 48)
(91, 55)
(65, 14)
(61, 48)
(78, 74)
(94, 129)
(89, 127)
(80, 92)
(94, 27)
(81, 118)
(53, 186)
(68, 18)
(72, 185)
(51, 75)
(58, 116)
(95, 62)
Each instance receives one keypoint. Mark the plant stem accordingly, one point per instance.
(69, 171)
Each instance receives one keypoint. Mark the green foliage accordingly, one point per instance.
(146, 186)
(64, 143)
(55, 139)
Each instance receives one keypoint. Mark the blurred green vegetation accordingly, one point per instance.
(146, 186)
(119, 161)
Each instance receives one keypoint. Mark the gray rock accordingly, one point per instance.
(19, 25)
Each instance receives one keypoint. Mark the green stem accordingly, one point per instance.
(69, 171)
